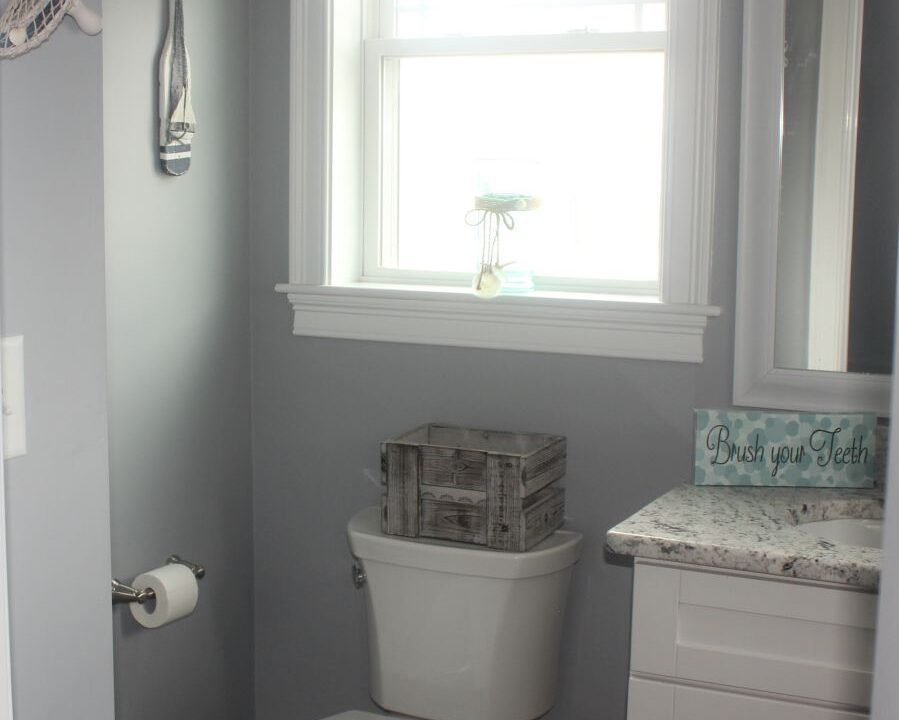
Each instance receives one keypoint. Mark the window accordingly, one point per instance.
(407, 114)
(562, 101)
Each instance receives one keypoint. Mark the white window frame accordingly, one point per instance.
(327, 157)
(379, 151)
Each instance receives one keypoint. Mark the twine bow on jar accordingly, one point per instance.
(490, 213)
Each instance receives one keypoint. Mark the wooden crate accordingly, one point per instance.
(498, 489)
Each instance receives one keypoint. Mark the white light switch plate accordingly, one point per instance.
(13, 387)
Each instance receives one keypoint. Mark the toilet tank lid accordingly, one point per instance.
(560, 550)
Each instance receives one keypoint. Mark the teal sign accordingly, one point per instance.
(735, 447)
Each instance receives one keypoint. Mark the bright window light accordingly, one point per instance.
(588, 125)
(468, 18)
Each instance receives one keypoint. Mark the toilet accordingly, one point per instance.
(457, 632)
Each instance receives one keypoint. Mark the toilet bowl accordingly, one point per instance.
(458, 632)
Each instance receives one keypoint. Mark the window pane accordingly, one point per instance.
(444, 18)
(585, 129)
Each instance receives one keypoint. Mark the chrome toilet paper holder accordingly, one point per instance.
(122, 593)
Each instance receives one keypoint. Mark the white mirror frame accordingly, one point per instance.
(757, 382)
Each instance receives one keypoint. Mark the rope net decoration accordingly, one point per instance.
(25, 24)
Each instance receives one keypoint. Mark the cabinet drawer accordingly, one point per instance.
(803, 640)
(654, 700)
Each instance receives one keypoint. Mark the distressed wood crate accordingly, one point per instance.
(498, 489)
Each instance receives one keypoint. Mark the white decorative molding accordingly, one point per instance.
(690, 149)
(554, 324)
(310, 132)
(814, 390)
(757, 381)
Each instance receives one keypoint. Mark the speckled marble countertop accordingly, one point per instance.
(753, 529)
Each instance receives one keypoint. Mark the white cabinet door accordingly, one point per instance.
(655, 700)
(649, 699)
(814, 642)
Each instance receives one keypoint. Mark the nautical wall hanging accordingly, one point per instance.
(177, 123)
(25, 24)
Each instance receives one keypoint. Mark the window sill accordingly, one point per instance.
(567, 323)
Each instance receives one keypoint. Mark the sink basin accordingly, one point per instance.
(850, 531)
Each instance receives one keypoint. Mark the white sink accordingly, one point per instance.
(850, 531)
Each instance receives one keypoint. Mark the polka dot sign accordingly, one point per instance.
(736, 447)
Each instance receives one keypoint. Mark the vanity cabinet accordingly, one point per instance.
(708, 644)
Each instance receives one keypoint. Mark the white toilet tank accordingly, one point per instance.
(457, 632)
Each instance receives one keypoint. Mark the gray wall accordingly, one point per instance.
(320, 407)
(51, 291)
(179, 393)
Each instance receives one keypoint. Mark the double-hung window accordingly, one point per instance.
(596, 116)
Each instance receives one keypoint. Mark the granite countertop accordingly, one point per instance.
(753, 529)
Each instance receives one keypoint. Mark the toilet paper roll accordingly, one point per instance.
(176, 595)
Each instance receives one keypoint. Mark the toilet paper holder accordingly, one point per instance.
(122, 593)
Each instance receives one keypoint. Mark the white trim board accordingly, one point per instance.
(6, 709)
(567, 325)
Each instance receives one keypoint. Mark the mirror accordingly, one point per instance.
(818, 205)
(836, 244)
